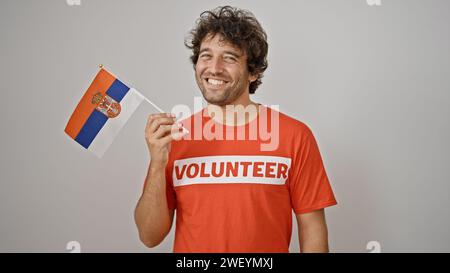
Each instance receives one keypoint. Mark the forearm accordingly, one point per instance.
(152, 214)
(313, 239)
(313, 232)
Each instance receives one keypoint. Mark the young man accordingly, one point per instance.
(232, 194)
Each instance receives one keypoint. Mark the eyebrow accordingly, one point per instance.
(226, 52)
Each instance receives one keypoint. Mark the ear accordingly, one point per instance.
(253, 78)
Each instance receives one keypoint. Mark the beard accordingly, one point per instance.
(223, 96)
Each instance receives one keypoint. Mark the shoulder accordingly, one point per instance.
(289, 125)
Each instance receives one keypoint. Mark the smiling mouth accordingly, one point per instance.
(215, 83)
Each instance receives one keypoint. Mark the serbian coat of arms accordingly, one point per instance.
(106, 105)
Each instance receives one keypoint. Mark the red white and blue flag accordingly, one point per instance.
(102, 112)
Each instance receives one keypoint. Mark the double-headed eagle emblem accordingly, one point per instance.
(106, 105)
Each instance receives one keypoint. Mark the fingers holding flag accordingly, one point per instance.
(156, 120)
(160, 130)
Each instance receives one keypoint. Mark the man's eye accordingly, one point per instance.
(230, 58)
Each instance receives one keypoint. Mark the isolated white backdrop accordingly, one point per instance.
(372, 82)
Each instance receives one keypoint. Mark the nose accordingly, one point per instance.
(216, 66)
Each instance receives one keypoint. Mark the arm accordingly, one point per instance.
(312, 232)
(152, 215)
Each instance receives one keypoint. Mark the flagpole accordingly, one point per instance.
(154, 105)
(159, 109)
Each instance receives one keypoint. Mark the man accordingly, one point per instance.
(231, 195)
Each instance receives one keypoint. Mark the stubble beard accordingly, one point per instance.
(221, 97)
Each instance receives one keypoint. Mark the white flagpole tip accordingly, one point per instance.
(161, 111)
(154, 105)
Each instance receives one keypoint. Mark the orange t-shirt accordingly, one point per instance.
(234, 196)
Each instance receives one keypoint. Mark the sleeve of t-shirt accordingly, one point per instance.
(310, 188)
(170, 192)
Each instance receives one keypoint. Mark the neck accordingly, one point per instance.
(239, 112)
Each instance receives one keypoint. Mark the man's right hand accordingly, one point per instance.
(160, 130)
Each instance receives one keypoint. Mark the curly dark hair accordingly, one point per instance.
(238, 27)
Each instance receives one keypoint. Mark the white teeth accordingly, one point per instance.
(215, 82)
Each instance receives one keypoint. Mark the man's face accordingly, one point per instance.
(221, 71)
